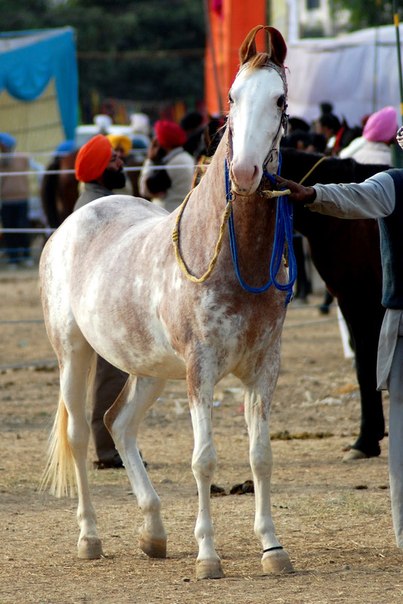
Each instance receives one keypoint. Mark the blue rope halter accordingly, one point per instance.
(283, 234)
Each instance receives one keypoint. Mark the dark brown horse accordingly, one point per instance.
(59, 190)
(346, 255)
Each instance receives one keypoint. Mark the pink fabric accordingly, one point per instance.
(381, 126)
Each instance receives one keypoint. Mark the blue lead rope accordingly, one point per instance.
(283, 234)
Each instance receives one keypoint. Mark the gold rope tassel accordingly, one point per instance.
(213, 261)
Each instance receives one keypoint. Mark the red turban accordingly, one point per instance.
(169, 134)
(93, 158)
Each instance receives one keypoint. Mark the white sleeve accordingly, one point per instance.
(373, 198)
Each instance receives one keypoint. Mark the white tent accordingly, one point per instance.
(358, 73)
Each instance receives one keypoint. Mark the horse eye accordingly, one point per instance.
(281, 101)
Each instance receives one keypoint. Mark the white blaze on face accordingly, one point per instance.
(257, 101)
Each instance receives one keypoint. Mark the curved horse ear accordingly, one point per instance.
(248, 46)
(276, 46)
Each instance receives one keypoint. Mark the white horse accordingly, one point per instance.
(112, 283)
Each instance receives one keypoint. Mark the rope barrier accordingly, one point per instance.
(40, 172)
(45, 231)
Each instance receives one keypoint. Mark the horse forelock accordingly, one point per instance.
(263, 61)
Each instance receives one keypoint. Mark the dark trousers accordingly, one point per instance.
(108, 384)
(14, 215)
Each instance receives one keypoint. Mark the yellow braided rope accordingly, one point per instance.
(312, 169)
(272, 194)
(217, 249)
(224, 220)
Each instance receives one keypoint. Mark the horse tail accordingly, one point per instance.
(49, 189)
(59, 475)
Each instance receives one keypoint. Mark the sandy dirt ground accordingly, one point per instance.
(333, 518)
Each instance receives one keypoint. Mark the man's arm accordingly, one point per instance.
(373, 198)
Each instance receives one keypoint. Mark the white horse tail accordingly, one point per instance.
(59, 475)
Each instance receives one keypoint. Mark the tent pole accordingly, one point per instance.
(213, 56)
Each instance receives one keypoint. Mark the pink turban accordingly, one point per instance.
(381, 126)
(169, 134)
(93, 158)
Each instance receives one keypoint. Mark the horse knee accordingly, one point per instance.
(261, 460)
(204, 463)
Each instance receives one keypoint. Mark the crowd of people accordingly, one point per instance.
(372, 142)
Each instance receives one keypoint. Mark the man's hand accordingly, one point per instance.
(299, 193)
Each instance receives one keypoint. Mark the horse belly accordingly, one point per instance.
(132, 341)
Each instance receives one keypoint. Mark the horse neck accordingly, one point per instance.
(254, 219)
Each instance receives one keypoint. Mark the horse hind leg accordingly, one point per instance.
(123, 420)
(69, 444)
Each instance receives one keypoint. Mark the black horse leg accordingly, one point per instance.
(365, 335)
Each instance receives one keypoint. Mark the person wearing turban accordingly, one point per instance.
(100, 168)
(379, 197)
(122, 145)
(14, 201)
(167, 174)
(375, 144)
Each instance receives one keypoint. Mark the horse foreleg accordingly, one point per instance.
(204, 460)
(257, 403)
(73, 385)
(123, 420)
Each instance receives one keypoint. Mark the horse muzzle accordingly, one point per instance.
(245, 177)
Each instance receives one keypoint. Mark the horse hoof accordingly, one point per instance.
(209, 569)
(154, 548)
(90, 548)
(354, 455)
(277, 562)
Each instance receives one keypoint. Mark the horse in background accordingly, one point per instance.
(347, 256)
(59, 188)
(211, 310)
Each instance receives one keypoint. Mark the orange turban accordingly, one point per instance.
(169, 134)
(93, 158)
(120, 140)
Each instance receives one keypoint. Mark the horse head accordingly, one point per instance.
(257, 115)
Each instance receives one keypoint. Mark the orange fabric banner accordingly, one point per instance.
(228, 23)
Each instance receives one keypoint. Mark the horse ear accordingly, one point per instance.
(248, 46)
(277, 45)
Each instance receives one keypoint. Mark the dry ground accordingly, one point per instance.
(333, 518)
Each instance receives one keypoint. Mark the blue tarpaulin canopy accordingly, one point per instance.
(30, 60)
